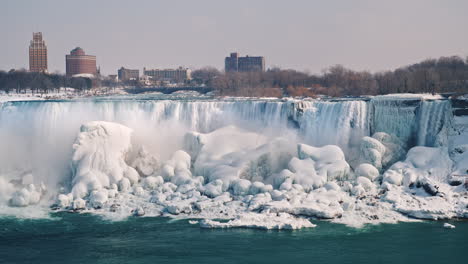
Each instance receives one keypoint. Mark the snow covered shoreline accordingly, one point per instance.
(251, 178)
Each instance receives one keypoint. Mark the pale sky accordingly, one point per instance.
(300, 34)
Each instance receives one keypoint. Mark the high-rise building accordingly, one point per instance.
(128, 74)
(172, 75)
(231, 63)
(37, 54)
(80, 63)
(234, 63)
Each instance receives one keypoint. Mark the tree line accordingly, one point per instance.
(443, 75)
(21, 81)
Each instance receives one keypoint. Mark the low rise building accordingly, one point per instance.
(178, 75)
(128, 74)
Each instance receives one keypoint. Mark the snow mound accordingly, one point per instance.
(315, 167)
(99, 157)
(381, 150)
(421, 162)
(245, 155)
(367, 170)
(145, 163)
(329, 160)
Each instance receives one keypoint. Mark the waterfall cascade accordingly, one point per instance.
(295, 157)
(43, 132)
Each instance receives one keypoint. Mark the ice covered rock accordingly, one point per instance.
(246, 155)
(305, 173)
(329, 160)
(177, 169)
(241, 187)
(392, 177)
(267, 159)
(78, 204)
(358, 190)
(431, 207)
(420, 163)
(367, 170)
(145, 163)
(158, 198)
(99, 157)
(139, 211)
(332, 186)
(448, 226)
(459, 174)
(315, 167)
(260, 221)
(98, 198)
(278, 179)
(371, 151)
(381, 150)
(260, 187)
(429, 185)
(152, 182)
(181, 176)
(179, 208)
(394, 148)
(277, 195)
(124, 184)
(138, 191)
(193, 143)
(259, 200)
(435, 161)
(132, 175)
(167, 172)
(213, 189)
(365, 183)
(181, 159)
(63, 200)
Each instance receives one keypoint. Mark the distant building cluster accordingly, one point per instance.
(78, 63)
(234, 63)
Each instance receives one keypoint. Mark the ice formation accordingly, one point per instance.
(251, 164)
(260, 221)
(99, 160)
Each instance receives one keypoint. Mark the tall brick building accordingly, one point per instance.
(37, 54)
(80, 63)
(234, 63)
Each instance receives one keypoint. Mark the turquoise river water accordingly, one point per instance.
(82, 238)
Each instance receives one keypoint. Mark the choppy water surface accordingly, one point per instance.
(75, 238)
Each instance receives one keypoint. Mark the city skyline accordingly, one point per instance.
(360, 35)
